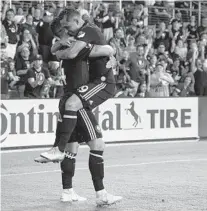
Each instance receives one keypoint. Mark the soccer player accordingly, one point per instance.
(100, 88)
(76, 74)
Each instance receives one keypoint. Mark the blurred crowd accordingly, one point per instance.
(163, 59)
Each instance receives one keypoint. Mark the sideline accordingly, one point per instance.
(111, 166)
(107, 145)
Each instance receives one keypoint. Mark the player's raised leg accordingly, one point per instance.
(69, 120)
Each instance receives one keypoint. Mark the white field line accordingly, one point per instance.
(107, 145)
(112, 166)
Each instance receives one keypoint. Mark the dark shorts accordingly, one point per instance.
(95, 93)
(87, 128)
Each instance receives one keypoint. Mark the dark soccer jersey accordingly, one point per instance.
(90, 33)
(76, 71)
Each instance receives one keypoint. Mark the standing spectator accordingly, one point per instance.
(162, 36)
(45, 36)
(11, 29)
(19, 17)
(131, 48)
(201, 80)
(192, 29)
(4, 76)
(179, 49)
(28, 41)
(118, 43)
(36, 77)
(183, 89)
(30, 27)
(203, 28)
(13, 78)
(108, 23)
(133, 28)
(4, 37)
(37, 16)
(159, 82)
(58, 77)
(22, 64)
(139, 67)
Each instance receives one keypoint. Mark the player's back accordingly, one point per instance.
(76, 71)
(90, 33)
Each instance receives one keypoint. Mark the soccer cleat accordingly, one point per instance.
(43, 160)
(69, 195)
(54, 155)
(104, 198)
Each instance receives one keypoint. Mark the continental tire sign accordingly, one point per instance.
(33, 122)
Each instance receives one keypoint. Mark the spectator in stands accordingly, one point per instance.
(163, 54)
(45, 36)
(131, 48)
(13, 78)
(22, 64)
(19, 17)
(152, 63)
(58, 77)
(201, 78)
(183, 89)
(37, 16)
(11, 29)
(108, 24)
(4, 75)
(28, 41)
(179, 49)
(142, 90)
(30, 27)
(160, 81)
(36, 77)
(203, 28)
(192, 29)
(160, 13)
(133, 28)
(4, 37)
(118, 43)
(162, 36)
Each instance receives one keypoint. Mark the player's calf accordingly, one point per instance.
(69, 120)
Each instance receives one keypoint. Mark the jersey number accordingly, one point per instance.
(83, 89)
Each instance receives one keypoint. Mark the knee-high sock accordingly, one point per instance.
(66, 128)
(68, 170)
(96, 166)
(57, 134)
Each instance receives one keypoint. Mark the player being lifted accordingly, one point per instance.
(86, 122)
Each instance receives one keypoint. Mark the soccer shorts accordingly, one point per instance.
(95, 93)
(87, 128)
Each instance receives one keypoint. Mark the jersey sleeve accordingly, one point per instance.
(86, 35)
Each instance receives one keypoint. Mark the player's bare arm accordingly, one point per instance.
(97, 51)
(73, 51)
(60, 43)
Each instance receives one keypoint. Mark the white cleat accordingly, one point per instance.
(69, 195)
(104, 198)
(54, 155)
(43, 160)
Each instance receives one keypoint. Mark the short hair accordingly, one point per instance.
(29, 14)
(9, 10)
(69, 12)
(56, 26)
